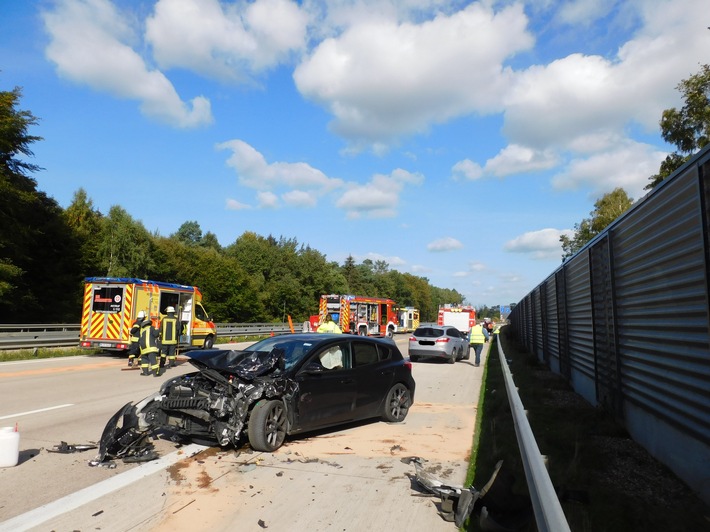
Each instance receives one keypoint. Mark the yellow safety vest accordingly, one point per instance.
(148, 344)
(476, 336)
(169, 331)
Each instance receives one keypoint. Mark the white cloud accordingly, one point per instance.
(267, 200)
(444, 244)
(378, 198)
(89, 43)
(393, 261)
(627, 165)
(477, 266)
(255, 172)
(229, 41)
(382, 79)
(234, 205)
(299, 198)
(516, 159)
(542, 245)
(467, 169)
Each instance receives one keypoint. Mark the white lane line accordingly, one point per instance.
(79, 498)
(35, 411)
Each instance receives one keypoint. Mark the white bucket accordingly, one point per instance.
(9, 446)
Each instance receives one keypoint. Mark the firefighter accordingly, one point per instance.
(149, 348)
(135, 334)
(168, 338)
(329, 326)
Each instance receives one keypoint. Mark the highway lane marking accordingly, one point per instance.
(36, 411)
(75, 500)
(43, 371)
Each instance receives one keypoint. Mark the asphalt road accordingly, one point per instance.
(350, 479)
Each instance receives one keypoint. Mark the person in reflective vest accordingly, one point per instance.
(134, 348)
(329, 326)
(476, 338)
(168, 339)
(149, 348)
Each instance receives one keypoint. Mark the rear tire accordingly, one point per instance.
(452, 358)
(413, 358)
(209, 342)
(397, 403)
(267, 426)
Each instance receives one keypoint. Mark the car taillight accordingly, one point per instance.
(412, 339)
(442, 340)
(408, 364)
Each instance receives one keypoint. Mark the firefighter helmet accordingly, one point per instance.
(141, 315)
(170, 309)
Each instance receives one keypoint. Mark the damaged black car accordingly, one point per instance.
(277, 387)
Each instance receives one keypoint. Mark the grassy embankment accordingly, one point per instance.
(605, 481)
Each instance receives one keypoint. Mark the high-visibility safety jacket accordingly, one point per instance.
(329, 327)
(476, 336)
(135, 333)
(169, 330)
(149, 338)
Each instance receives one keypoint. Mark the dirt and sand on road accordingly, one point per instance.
(349, 479)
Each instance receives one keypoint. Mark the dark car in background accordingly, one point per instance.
(438, 341)
(279, 386)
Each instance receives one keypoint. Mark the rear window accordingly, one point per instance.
(428, 332)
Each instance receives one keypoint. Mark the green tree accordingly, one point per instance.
(606, 209)
(38, 251)
(125, 247)
(687, 128)
(85, 221)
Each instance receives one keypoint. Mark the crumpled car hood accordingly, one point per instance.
(247, 365)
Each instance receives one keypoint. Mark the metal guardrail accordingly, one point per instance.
(29, 336)
(548, 510)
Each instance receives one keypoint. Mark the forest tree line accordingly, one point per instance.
(46, 252)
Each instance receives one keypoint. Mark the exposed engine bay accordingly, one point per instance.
(210, 405)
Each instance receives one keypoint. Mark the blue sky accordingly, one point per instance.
(456, 141)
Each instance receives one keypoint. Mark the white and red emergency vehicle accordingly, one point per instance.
(463, 317)
(366, 316)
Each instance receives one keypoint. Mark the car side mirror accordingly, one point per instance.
(313, 368)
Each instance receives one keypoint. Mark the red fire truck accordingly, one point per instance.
(366, 316)
(463, 317)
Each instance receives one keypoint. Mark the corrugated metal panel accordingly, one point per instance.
(537, 323)
(607, 367)
(579, 316)
(561, 282)
(527, 309)
(552, 328)
(662, 306)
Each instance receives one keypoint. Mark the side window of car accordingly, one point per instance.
(336, 357)
(364, 353)
(385, 353)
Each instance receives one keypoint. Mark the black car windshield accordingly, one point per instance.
(428, 332)
(294, 350)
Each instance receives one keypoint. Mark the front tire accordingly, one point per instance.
(209, 342)
(397, 403)
(267, 426)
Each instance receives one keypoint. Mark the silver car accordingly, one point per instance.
(439, 341)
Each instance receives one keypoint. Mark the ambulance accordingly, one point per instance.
(408, 319)
(111, 305)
